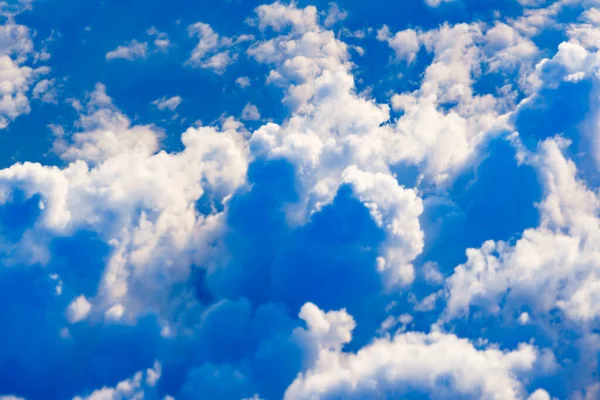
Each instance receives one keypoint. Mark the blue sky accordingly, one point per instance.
(307, 200)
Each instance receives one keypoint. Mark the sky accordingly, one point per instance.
(306, 200)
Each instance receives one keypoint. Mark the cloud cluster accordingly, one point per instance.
(152, 206)
(136, 50)
(290, 257)
(551, 266)
(440, 365)
(17, 76)
(213, 52)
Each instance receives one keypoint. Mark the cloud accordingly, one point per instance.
(168, 104)
(446, 107)
(213, 52)
(78, 310)
(46, 91)
(334, 15)
(439, 364)
(250, 112)
(106, 133)
(131, 51)
(278, 16)
(139, 386)
(404, 43)
(554, 260)
(243, 81)
(16, 77)
(316, 67)
(160, 215)
(161, 39)
(140, 50)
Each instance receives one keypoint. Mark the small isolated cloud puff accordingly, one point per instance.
(243, 81)
(250, 112)
(131, 51)
(170, 103)
(78, 310)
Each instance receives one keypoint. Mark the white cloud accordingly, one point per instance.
(131, 51)
(334, 136)
(440, 364)
(404, 43)
(506, 48)
(150, 195)
(115, 312)
(243, 81)
(537, 19)
(445, 122)
(16, 78)
(78, 310)
(250, 112)
(333, 15)
(107, 133)
(15, 81)
(213, 52)
(15, 40)
(46, 91)
(168, 103)
(136, 50)
(551, 267)
(161, 39)
(277, 16)
(140, 386)
(539, 394)
(397, 211)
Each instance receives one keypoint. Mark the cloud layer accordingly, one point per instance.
(291, 202)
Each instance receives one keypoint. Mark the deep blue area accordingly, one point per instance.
(495, 201)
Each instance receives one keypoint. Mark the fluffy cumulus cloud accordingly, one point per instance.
(17, 73)
(441, 365)
(316, 201)
(557, 259)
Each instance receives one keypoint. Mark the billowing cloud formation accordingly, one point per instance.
(161, 214)
(405, 209)
(439, 364)
(556, 260)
